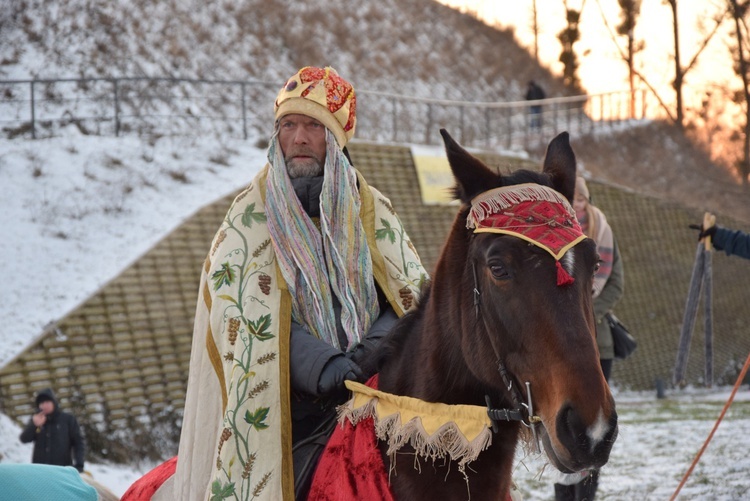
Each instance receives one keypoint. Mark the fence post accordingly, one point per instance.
(33, 113)
(244, 112)
(487, 124)
(509, 127)
(395, 120)
(429, 124)
(117, 106)
(461, 115)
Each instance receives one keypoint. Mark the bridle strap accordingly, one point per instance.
(476, 289)
(523, 411)
(502, 414)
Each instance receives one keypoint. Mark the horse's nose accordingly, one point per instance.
(588, 443)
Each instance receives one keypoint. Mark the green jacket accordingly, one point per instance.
(607, 299)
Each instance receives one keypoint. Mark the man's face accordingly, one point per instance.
(303, 145)
(47, 406)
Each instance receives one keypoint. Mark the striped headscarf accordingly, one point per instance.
(594, 224)
(318, 263)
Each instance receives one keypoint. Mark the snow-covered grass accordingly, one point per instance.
(657, 443)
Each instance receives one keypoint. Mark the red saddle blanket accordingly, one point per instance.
(145, 487)
(351, 466)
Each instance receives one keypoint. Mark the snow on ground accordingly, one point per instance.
(77, 210)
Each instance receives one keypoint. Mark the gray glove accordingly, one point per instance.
(335, 372)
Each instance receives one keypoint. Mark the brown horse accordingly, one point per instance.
(505, 322)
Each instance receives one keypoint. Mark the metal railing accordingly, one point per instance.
(177, 106)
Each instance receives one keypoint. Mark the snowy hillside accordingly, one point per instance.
(78, 210)
(376, 44)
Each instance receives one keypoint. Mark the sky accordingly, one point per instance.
(601, 68)
(77, 210)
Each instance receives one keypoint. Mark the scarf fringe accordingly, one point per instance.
(318, 264)
(447, 441)
(497, 200)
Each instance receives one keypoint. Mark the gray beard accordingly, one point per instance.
(310, 168)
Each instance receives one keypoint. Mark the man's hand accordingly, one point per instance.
(39, 419)
(336, 371)
(704, 232)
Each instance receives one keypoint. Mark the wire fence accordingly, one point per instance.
(144, 106)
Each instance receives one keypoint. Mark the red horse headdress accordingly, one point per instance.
(535, 213)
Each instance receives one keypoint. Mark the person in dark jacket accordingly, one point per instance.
(733, 242)
(56, 435)
(533, 93)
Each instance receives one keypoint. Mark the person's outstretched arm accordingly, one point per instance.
(732, 242)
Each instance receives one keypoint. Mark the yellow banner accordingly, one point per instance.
(434, 174)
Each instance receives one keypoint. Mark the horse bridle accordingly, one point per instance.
(523, 412)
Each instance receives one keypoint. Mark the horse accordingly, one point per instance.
(506, 324)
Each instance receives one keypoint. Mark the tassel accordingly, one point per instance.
(563, 277)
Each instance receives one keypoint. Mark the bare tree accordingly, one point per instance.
(679, 75)
(677, 116)
(630, 61)
(535, 29)
(680, 72)
(629, 12)
(568, 37)
(738, 11)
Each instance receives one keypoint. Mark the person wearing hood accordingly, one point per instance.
(56, 434)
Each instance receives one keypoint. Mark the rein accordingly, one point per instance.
(523, 412)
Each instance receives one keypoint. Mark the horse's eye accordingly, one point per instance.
(498, 271)
(597, 265)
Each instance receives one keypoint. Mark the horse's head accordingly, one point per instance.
(526, 271)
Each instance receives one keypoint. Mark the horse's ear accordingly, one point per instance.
(560, 165)
(472, 175)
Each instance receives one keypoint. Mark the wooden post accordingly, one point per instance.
(708, 221)
(702, 270)
(688, 319)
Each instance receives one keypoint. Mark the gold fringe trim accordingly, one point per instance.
(434, 430)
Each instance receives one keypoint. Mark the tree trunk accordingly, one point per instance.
(678, 74)
(745, 167)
